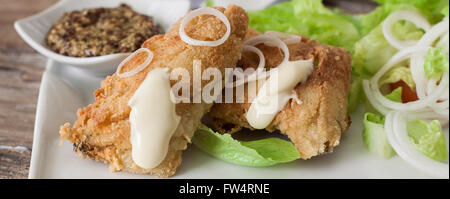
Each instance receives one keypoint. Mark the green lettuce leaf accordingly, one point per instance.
(209, 3)
(374, 136)
(371, 53)
(354, 96)
(395, 95)
(354, 19)
(265, 152)
(274, 148)
(279, 17)
(397, 73)
(436, 63)
(428, 139)
(445, 11)
(307, 18)
(431, 8)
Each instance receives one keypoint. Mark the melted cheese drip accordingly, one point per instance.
(153, 119)
(277, 91)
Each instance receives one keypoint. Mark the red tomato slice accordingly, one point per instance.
(408, 94)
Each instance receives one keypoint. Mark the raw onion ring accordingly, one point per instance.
(137, 69)
(417, 69)
(267, 40)
(411, 16)
(378, 106)
(259, 70)
(395, 127)
(434, 33)
(202, 11)
(443, 43)
(270, 41)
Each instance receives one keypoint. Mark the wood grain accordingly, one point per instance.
(20, 74)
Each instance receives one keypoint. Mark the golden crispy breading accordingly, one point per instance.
(102, 130)
(316, 125)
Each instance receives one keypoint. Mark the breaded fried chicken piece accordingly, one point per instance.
(316, 125)
(102, 131)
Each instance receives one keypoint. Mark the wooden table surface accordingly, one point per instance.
(21, 70)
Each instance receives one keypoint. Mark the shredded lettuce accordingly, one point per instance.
(428, 139)
(308, 18)
(373, 51)
(264, 152)
(374, 136)
(436, 63)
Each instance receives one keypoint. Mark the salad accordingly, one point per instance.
(400, 62)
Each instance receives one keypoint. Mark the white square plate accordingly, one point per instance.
(64, 89)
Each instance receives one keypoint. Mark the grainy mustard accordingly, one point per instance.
(100, 31)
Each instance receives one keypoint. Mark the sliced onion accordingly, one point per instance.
(288, 39)
(258, 74)
(411, 16)
(431, 85)
(369, 94)
(417, 69)
(444, 96)
(443, 43)
(440, 105)
(137, 69)
(428, 114)
(441, 108)
(203, 11)
(433, 99)
(419, 78)
(270, 41)
(443, 113)
(267, 40)
(398, 57)
(434, 33)
(415, 105)
(395, 127)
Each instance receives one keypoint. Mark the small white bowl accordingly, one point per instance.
(33, 30)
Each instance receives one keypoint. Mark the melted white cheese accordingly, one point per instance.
(277, 91)
(153, 119)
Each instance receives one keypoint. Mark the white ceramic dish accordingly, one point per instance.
(64, 89)
(34, 29)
